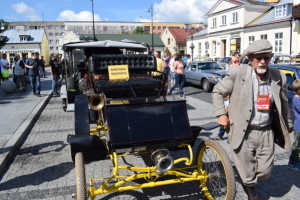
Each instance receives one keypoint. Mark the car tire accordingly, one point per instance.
(206, 86)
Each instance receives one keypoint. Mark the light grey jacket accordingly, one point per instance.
(238, 84)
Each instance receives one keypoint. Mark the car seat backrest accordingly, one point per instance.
(136, 62)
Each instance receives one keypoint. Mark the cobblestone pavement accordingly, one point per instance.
(43, 169)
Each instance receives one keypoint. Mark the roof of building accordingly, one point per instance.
(241, 2)
(141, 38)
(35, 36)
(269, 16)
(201, 33)
(180, 34)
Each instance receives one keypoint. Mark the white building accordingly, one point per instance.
(234, 24)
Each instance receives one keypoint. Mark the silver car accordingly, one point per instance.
(204, 74)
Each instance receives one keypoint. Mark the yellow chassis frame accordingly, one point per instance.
(148, 173)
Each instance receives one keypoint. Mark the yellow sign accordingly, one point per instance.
(118, 72)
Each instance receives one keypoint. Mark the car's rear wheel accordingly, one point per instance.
(206, 85)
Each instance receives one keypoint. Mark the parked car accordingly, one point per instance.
(283, 59)
(296, 60)
(204, 74)
(225, 60)
(292, 73)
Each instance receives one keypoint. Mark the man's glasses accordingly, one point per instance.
(265, 58)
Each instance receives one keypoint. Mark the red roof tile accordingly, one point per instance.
(180, 33)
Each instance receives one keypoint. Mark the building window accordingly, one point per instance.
(51, 48)
(50, 34)
(199, 49)
(280, 11)
(11, 27)
(50, 41)
(62, 27)
(224, 20)
(159, 27)
(56, 34)
(50, 27)
(206, 47)
(56, 48)
(154, 27)
(56, 41)
(164, 27)
(278, 42)
(235, 17)
(23, 38)
(169, 41)
(214, 21)
(251, 39)
(264, 37)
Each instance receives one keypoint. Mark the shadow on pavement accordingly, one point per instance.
(35, 150)
(45, 175)
(130, 194)
(279, 184)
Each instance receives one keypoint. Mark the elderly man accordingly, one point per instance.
(258, 114)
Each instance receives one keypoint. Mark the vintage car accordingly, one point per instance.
(204, 74)
(121, 109)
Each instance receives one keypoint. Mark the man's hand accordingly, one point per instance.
(223, 121)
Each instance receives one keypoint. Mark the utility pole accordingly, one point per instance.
(151, 10)
(95, 39)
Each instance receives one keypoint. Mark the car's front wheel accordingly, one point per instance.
(206, 86)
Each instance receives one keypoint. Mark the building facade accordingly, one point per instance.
(234, 24)
(25, 43)
(159, 27)
(174, 39)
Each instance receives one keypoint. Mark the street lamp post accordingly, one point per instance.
(151, 10)
(95, 39)
(189, 27)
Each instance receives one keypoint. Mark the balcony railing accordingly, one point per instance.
(296, 11)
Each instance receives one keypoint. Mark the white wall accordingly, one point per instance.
(270, 31)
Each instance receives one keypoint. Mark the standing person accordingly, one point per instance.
(4, 67)
(55, 72)
(235, 59)
(159, 62)
(179, 75)
(258, 114)
(19, 73)
(166, 60)
(294, 157)
(34, 72)
(43, 67)
(172, 72)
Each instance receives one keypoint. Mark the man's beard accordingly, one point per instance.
(263, 70)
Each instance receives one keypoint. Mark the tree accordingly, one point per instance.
(3, 27)
(138, 30)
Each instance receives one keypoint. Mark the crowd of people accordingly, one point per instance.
(34, 69)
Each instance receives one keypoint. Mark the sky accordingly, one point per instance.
(191, 11)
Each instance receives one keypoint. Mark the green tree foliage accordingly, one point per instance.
(3, 27)
(138, 30)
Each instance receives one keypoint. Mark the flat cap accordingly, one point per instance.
(259, 46)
